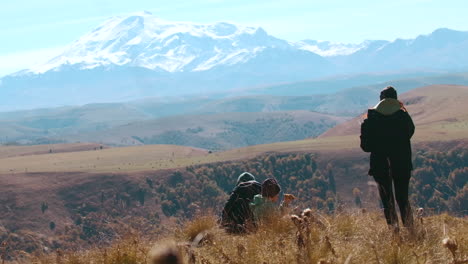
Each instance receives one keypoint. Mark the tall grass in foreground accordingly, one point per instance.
(341, 238)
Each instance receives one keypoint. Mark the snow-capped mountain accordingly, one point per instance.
(143, 40)
(146, 41)
(140, 55)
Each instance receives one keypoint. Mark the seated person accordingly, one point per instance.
(265, 204)
(237, 216)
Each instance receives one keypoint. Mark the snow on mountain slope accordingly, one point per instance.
(144, 40)
(328, 49)
(139, 55)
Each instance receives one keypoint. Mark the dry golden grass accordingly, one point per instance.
(142, 158)
(341, 238)
(159, 157)
(13, 151)
(196, 227)
(151, 157)
(127, 251)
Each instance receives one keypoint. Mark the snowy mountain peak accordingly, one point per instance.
(143, 40)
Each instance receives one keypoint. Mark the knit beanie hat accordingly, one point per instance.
(245, 177)
(270, 188)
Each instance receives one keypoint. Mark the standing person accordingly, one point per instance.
(237, 216)
(386, 134)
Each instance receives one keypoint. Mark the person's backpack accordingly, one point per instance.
(367, 141)
(237, 214)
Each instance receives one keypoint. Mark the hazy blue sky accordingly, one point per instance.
(32, 30)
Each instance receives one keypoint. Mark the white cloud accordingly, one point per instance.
(13, 62)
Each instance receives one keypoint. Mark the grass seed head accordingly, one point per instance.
(420, 212)
(450, 244)
(296, 220)
(307, 213)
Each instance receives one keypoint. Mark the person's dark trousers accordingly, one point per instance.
(400, 181)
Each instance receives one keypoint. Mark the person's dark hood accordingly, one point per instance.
(245, 177)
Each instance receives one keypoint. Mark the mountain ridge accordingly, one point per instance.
(139, 56)
(147, 41)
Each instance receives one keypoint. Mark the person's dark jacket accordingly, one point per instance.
(236, 212)
(386, 134)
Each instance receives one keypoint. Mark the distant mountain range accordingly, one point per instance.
(140, 55)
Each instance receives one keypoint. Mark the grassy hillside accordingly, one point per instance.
(15, 151)
(438, 111)
(345, 237)
(42, 126)
(81, 209)
(141, 158)
(124, 126)
(144, 158)
(218, 131)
